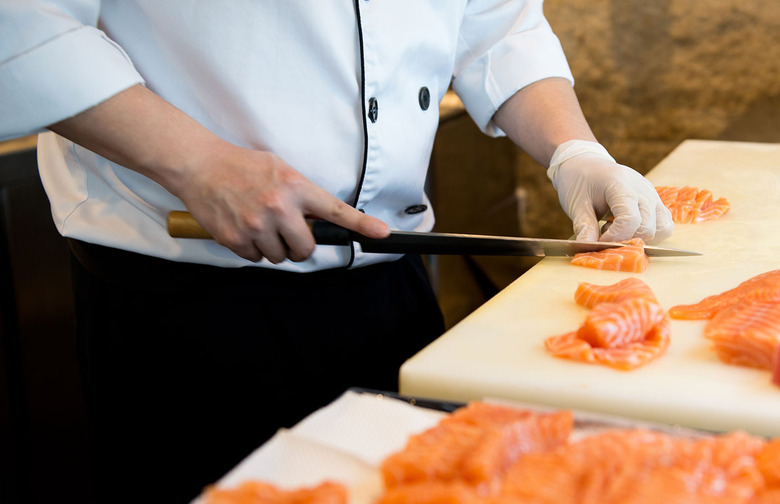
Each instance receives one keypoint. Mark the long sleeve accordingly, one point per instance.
(503, 46)
(55, 63)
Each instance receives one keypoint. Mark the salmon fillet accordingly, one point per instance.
(625, 329)
(259, 492)
(690, 205)
(640, 466)
(768, 461)
(776, 367)
(631, 258)
(746, 334)
(762, 287)
(540, 463)
(474, 446)
(589, 295)
(432, 492)
(620, 323)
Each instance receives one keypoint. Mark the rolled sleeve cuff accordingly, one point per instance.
(507, 67)
(58, 79)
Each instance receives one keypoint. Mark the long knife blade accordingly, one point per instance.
(183, 225)
(409, 242)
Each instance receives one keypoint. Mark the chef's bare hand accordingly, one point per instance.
(591, 184)
(255, 204)
(249, 200)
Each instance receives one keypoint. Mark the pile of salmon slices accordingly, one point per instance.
(743, 323)
(625, 328)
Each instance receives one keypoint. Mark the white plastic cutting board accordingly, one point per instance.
(498, 351)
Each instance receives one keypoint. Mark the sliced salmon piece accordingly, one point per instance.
(589, 295)
(776, 367)
(509, 432)
(475, 446)
(616, 324)
(624, 358)
(637, 354)
(626, 327)
(640, 466)
(259, 492)
(746, 334)
(762, 287)
(482, 414)
(435, 454)
(690, 205)
(768, 461)
(769, 496)
(569, 346)
(431, 492)
(631, 258)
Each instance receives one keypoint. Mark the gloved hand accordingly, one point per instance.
(591, 185)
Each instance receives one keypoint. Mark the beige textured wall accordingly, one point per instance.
(649, 74)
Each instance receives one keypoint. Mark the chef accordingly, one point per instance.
(253, 116)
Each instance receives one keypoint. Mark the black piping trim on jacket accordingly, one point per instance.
(363, 118)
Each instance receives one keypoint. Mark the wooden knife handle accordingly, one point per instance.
(183, 225)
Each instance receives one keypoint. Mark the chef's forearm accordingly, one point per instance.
(141, 131)
(543, 115)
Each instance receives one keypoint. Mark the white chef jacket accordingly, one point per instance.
(335, 87)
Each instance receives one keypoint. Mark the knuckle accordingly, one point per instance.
(275, 258)
(292, 178)
(302, 253)
(253, 223)
(275, 203)
(230, 239)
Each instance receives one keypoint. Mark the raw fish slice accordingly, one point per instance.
(569, 346)
(589, 295)
(501, 447)
(620, 323)
(435, 454)
(637, 354)
(640, 466)
(625, 329)
(259, 492)
(624, 358)
(768, 461)
(690, 205)
(482, 414)
(763, 287)
(776, 367)
(431, 492)
(475, 445)
(631, 258)
(746, 334)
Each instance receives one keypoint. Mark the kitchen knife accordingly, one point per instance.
(183, 225)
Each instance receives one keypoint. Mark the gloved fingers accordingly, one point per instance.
(655, 226)
(627, 221)
(664, 224)
(647, 225)
(586, 224)
(654, 222)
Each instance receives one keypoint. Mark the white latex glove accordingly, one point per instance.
(591, 185)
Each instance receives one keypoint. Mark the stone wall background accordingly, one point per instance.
(649, 74)
(653, 73)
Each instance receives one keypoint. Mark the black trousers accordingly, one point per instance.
(188, 368)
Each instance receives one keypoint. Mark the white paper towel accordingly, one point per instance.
(344, 442)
